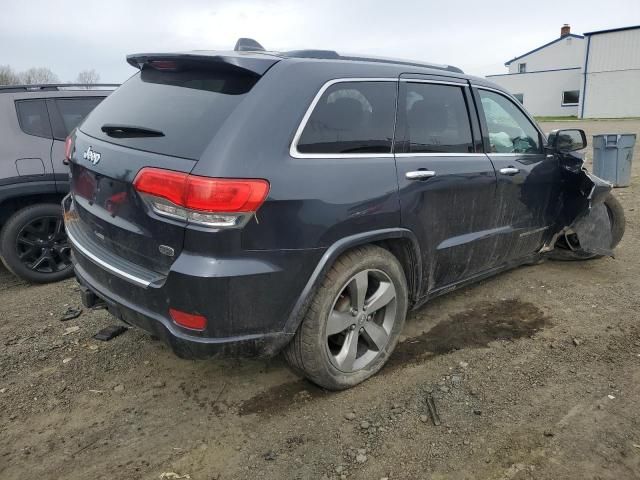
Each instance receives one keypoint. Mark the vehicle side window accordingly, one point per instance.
(437, 119)
(73, 110)
(510, 131)
(351, 117)
(33, 118)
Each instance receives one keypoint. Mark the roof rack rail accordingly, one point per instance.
(53, 87)
(250, 45)
(398, 61)
(332, 55)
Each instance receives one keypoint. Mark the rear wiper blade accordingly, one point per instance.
(129, 131)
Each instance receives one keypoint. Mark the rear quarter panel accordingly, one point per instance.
(313, 202)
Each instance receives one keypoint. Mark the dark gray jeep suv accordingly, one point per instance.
(249, 202)
(34, 122)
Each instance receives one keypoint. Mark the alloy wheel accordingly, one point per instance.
(360, 323)
(42, 245)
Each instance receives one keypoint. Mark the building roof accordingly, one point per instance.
(596, 32)
(536, 71)
(543, 46)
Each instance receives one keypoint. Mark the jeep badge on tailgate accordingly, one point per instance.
(92, 156)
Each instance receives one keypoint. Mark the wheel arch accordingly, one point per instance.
(401, 242)
(15, 197)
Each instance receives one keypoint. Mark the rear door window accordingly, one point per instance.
(436, 118)
(33, 117)
(73, 110)
(181, 111)
(351, 118)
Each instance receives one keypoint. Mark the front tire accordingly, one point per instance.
(34, 245)
(354, 320)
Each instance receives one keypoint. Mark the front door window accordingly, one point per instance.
(510, 131)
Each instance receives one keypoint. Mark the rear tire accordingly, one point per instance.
(34, 245)
(354, 320)
(562, 252)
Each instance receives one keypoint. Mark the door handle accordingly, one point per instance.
(419, 174)
(509, 171)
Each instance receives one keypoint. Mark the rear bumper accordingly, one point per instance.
(183, 344)
(247, 297)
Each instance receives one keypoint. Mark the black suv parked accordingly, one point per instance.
(34, 122)
(248, 202)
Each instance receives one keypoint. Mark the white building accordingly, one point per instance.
(593, 76)
(611, 83)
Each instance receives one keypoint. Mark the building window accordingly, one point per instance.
(519, 97)
(522, 68)
(570, 97)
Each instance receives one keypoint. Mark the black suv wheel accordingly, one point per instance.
(34, 245)
(353, 324)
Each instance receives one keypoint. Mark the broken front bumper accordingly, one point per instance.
(582, 209)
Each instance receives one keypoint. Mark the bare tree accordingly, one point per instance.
(89, 77)
(8, 76)
(38, 75)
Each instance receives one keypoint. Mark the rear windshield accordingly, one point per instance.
(168, 112)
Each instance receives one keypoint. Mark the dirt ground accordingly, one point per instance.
(535, 374)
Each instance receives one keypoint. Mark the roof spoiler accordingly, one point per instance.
(253, 64)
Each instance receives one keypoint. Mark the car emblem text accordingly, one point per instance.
(92, 156)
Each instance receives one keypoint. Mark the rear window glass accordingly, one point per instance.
(33, 118)
(73, 110)
(437, 119)
(351, 117)
(187, 107)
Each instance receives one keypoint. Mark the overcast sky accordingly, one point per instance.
(476, 35)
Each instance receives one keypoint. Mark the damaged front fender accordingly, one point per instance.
(583, 216)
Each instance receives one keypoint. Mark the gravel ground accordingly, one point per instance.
(535, 374)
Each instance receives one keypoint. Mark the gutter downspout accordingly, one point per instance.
(584, 85)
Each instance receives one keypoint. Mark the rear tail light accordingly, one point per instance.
(188, 320)
(68, 149)
(212, 202)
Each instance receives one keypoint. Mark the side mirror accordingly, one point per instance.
(565, 141)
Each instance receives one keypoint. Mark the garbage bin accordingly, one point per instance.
(612, 156)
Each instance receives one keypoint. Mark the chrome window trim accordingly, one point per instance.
(514, 154)
(443, 154)
(107, 266)
(293, 149)
(439, 82)
(475, 85)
